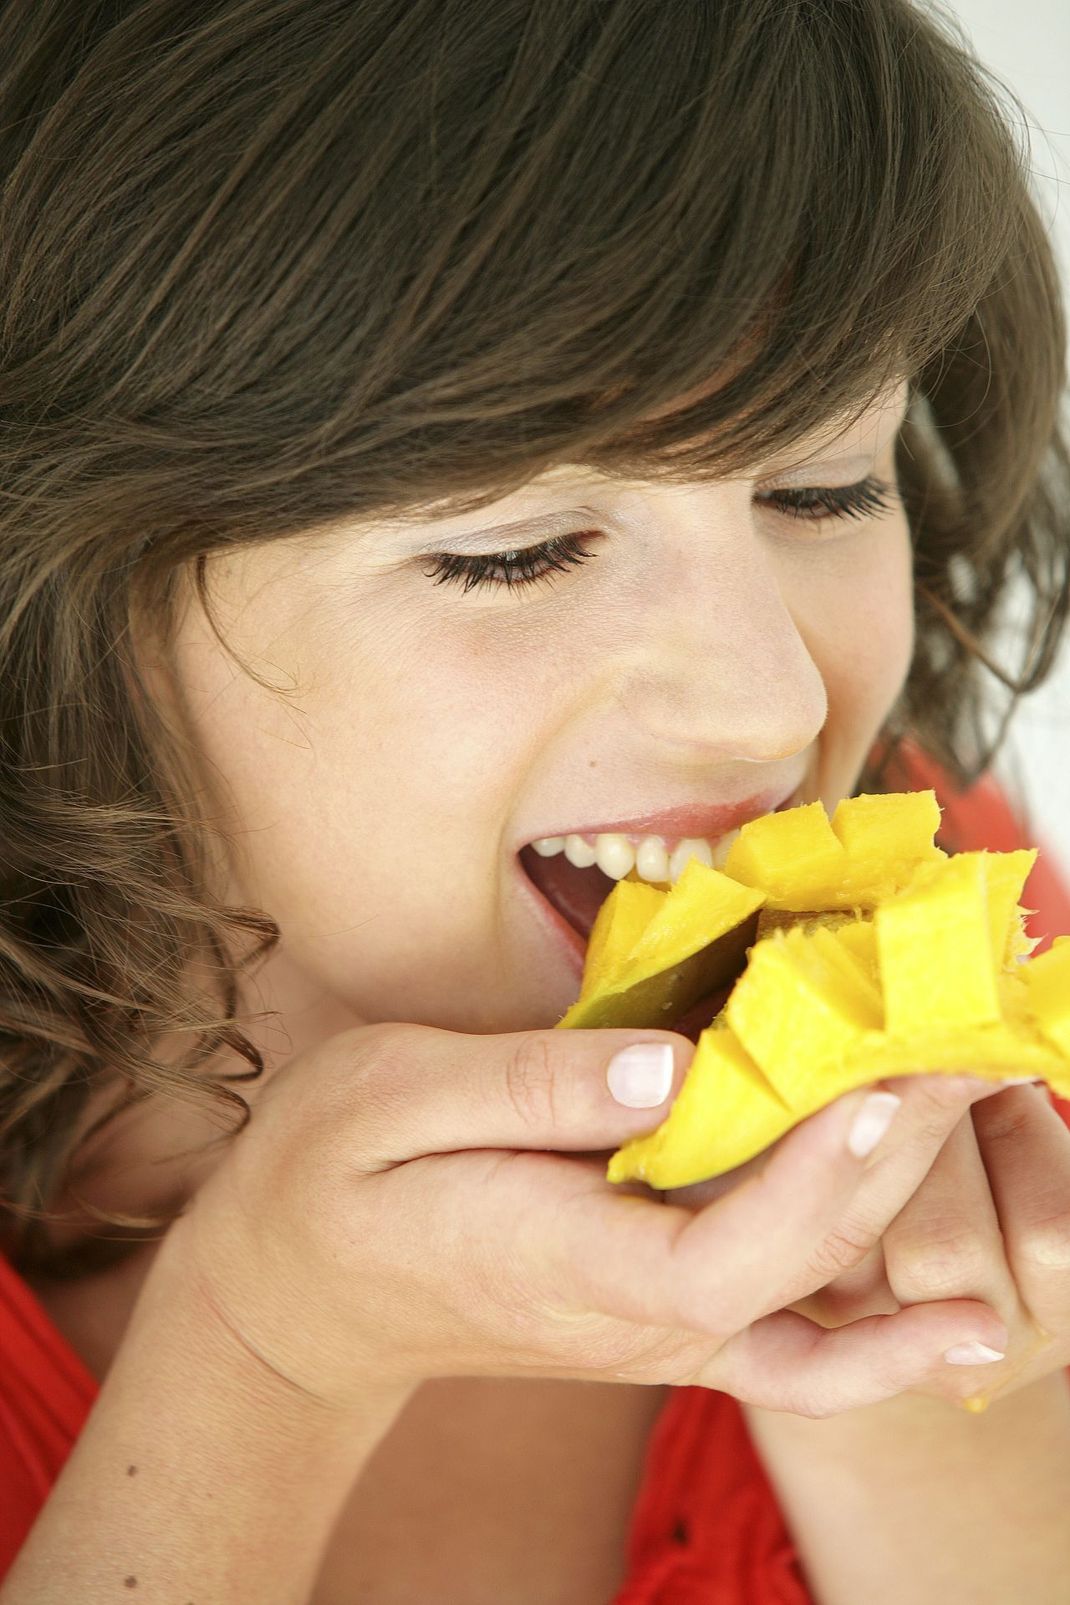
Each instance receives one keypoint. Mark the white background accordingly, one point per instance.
(1027, 46)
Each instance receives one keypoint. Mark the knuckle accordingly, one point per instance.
(937, 1107)
(377, 1068)
(360, 1101)
(843, 1249)
(938, 1265)
(1045, 1243)
(530, 1083)
(1003, 1125)
(806, 1404)
(371, 1055)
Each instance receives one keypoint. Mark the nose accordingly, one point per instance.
(719, 669)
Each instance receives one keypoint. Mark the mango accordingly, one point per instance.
(854, 949)
(795, 1009)
(1047, 981)
(723, 1113)
(946, 913)
(869, 849)
(655, 952)
(793, 857)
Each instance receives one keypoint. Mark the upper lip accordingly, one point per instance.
(708, 820)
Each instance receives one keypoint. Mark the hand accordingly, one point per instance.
(408, 1203)
(990, 1221)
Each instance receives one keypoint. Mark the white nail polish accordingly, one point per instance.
(871, 1122)
(972, 1354)
(641, 1076)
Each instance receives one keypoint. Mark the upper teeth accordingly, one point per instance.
(616, 856)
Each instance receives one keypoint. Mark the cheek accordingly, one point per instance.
(439, 732)
(859, 625)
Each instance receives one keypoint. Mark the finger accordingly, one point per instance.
(863, 1290)
(785, 1362)
(414, 1090)
(781, 1232)
(1024, 1146)
(933, 1106)
(945, 1243)
(715, 1271)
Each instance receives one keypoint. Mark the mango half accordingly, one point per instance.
(848, 950)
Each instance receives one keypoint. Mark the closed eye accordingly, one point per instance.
(529, 565)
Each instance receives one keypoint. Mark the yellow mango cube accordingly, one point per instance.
(793, 857)
(851, 961)
(1007, 874)
(618, 925)
(859, 938)
(1047, 980)
(698, 908)
(886, 838)
(688, 947)
(795, 1013)
(879, 829)
(724, 1114)
(934, 949)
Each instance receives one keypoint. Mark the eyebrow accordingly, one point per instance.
(544, 526)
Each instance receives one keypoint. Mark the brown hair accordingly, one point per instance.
(266, 265)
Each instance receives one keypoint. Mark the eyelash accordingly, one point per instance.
(531, 564)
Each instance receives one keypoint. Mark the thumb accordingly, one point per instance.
(421, 1090)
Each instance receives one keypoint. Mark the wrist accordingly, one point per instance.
(179, 1297)
(213, 1477)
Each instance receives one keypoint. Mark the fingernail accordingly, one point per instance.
(871, 1122)
(641, 1076)
(972, 1354)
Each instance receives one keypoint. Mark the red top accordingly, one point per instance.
(706, 1526)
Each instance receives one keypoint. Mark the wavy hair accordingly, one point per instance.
(266, 265)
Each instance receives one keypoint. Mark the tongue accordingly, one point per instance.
(577, 894)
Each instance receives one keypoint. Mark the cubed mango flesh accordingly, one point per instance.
(795, 1012)
(934, 949)
(901, 961)
(618, 925)
(722, 1116)
(791, 857)
(1047, 980)
(885, 829)
(679, 955)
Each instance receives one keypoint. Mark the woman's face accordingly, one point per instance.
(710, 648)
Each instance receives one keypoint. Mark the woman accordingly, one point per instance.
(430, 429)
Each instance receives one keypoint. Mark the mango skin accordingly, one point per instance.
(921, 968)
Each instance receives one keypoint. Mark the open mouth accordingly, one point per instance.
(578, 894)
